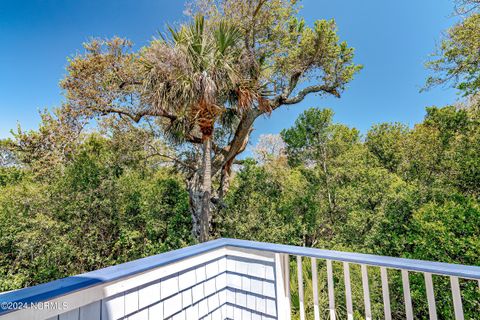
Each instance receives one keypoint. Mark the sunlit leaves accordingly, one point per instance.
(458, 57)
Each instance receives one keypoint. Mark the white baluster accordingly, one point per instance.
(287, 285)
(406, 295)
(432, 309)
(386, 294)
(457, 299)
(366, 293)
(300, 287)
(331, 290)
(348, 290)
(316, 310)
(283, 286)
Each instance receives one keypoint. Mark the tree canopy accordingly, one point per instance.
(457, 59)
(206, 82)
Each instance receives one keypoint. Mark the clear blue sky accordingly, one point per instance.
(392, 39)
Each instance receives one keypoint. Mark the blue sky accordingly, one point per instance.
(392, 40)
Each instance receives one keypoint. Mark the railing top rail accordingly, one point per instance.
(57, 288)
(60, 287)
(442, 268)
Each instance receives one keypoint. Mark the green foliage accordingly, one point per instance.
(403, 192)
(10, 175)
(458, 58)
(386, 141)
(306, 140)
(51, 145)
(397, 193)
(250, 201)
(453, 226)
(110, 200)
(91, 216)
(448, 232)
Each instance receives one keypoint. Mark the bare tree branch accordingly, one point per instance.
(239, 162)
(240, 139)
(137, 116)
(312, 89)
(257, 9)
(175, 160)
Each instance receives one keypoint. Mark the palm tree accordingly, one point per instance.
(197, 73)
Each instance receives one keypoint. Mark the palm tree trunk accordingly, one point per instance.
(206, 190)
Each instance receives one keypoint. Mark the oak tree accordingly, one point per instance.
(207, 81)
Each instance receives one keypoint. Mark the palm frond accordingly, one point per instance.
(195, 69)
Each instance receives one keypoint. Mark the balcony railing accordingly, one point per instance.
(229, 279)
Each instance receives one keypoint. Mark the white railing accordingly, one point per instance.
(234, 279)
(406, 266)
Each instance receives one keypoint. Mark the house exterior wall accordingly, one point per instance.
(237, 285)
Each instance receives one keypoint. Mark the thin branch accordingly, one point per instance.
(175, 160)
(239, 162)
(137, 116)
(242, 133)
(257, 9)
(125, 83)
(312, 89)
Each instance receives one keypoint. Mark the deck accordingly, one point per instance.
(228, 279)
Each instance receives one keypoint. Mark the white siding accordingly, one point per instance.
(236, 286)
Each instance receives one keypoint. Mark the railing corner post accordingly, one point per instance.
(282, 284)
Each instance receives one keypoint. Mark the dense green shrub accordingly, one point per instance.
(90, 216)
(106, 203)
